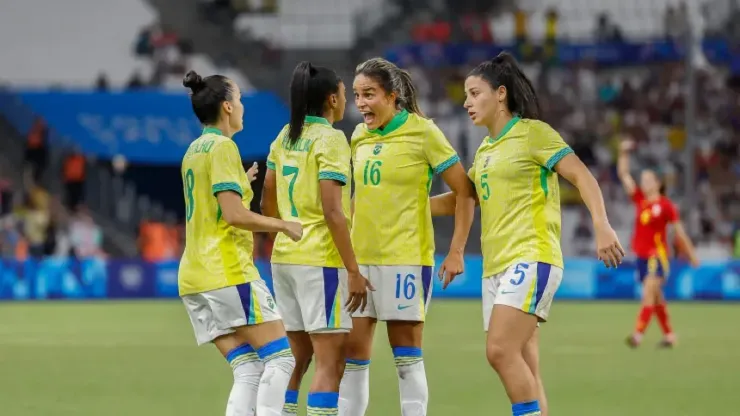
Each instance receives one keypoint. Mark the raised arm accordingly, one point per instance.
(623, 166)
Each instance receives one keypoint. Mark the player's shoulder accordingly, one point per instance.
(328, 135)
(532, 126)
(361, 132)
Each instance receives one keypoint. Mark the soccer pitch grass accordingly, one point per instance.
(140, 359)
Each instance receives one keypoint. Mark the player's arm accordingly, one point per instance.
(226, 169)
(681, 234)
(333, 157)
(268, 203)
(623, 167)
(550, 151)
(458, 181)
(445, 162)
(237, 215)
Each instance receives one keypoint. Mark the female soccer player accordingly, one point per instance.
(395, 153)
(515, 174)
(227, 301)
(649, 243)
(307, 181)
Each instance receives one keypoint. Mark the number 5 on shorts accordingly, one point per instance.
(409, 287)
(520, 273)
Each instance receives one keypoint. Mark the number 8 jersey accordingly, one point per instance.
(321, 152)
(393, 170)
(216, 255)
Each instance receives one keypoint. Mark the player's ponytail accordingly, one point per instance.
(393, 80)
(298, 95)
(310, 88)
(503, 70)
(408, 98)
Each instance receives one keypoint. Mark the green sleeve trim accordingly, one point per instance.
(446, 164)
(557, 157)
(334, 176)
(226, 186)
(270, 165)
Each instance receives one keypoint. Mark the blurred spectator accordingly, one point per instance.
(74, 173)
(101, 83)
(136, 81)
(85, 236)
(6, 196)
(36, 149)
(36, 219)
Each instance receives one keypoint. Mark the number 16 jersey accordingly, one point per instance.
(320, 153)
(393, 170)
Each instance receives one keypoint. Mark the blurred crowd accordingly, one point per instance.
(35, 223)
(595, 107)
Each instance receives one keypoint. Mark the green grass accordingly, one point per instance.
(140, 358)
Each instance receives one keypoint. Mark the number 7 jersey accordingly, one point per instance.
(216, 255)
(320, 153)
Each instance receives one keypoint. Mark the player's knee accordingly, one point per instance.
(498, 354)
(277, 354)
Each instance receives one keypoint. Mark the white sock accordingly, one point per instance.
(354, 390)
(247, 369)
(279, 366)
(412, 381)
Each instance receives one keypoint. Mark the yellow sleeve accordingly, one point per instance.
(438, 151)
(226, 168)
(471, 173)
(546, 146)
(272, 156)
(333, 157)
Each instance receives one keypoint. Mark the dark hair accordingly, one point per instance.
(309, 89)
(392, 79)
(521, 98)
(207, 95)
(656, 171)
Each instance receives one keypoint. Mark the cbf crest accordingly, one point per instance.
(377, 149)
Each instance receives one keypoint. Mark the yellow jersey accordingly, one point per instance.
(216, 255)
(320, 153)
(519, 195)
(393, 171)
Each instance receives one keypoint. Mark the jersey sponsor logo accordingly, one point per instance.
(270, 302)
(485, 164)
(507, 292)
(402, 307)
(377, 149)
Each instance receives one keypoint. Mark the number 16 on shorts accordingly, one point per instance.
(402, 293)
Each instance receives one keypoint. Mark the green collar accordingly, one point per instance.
(396, 122)
(212, 130)
(506, 129)
(314, 119)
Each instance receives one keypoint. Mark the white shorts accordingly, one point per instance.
(219, 311)
(402, 293)
(312, 298)
(529, 287)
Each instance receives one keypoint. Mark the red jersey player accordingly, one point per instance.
(649, 243)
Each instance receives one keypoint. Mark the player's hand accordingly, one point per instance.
(294, 230)
(453, 266)
(627, 145)
(608, 248)
(694, 262)
(253, 171)
(358, 287)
